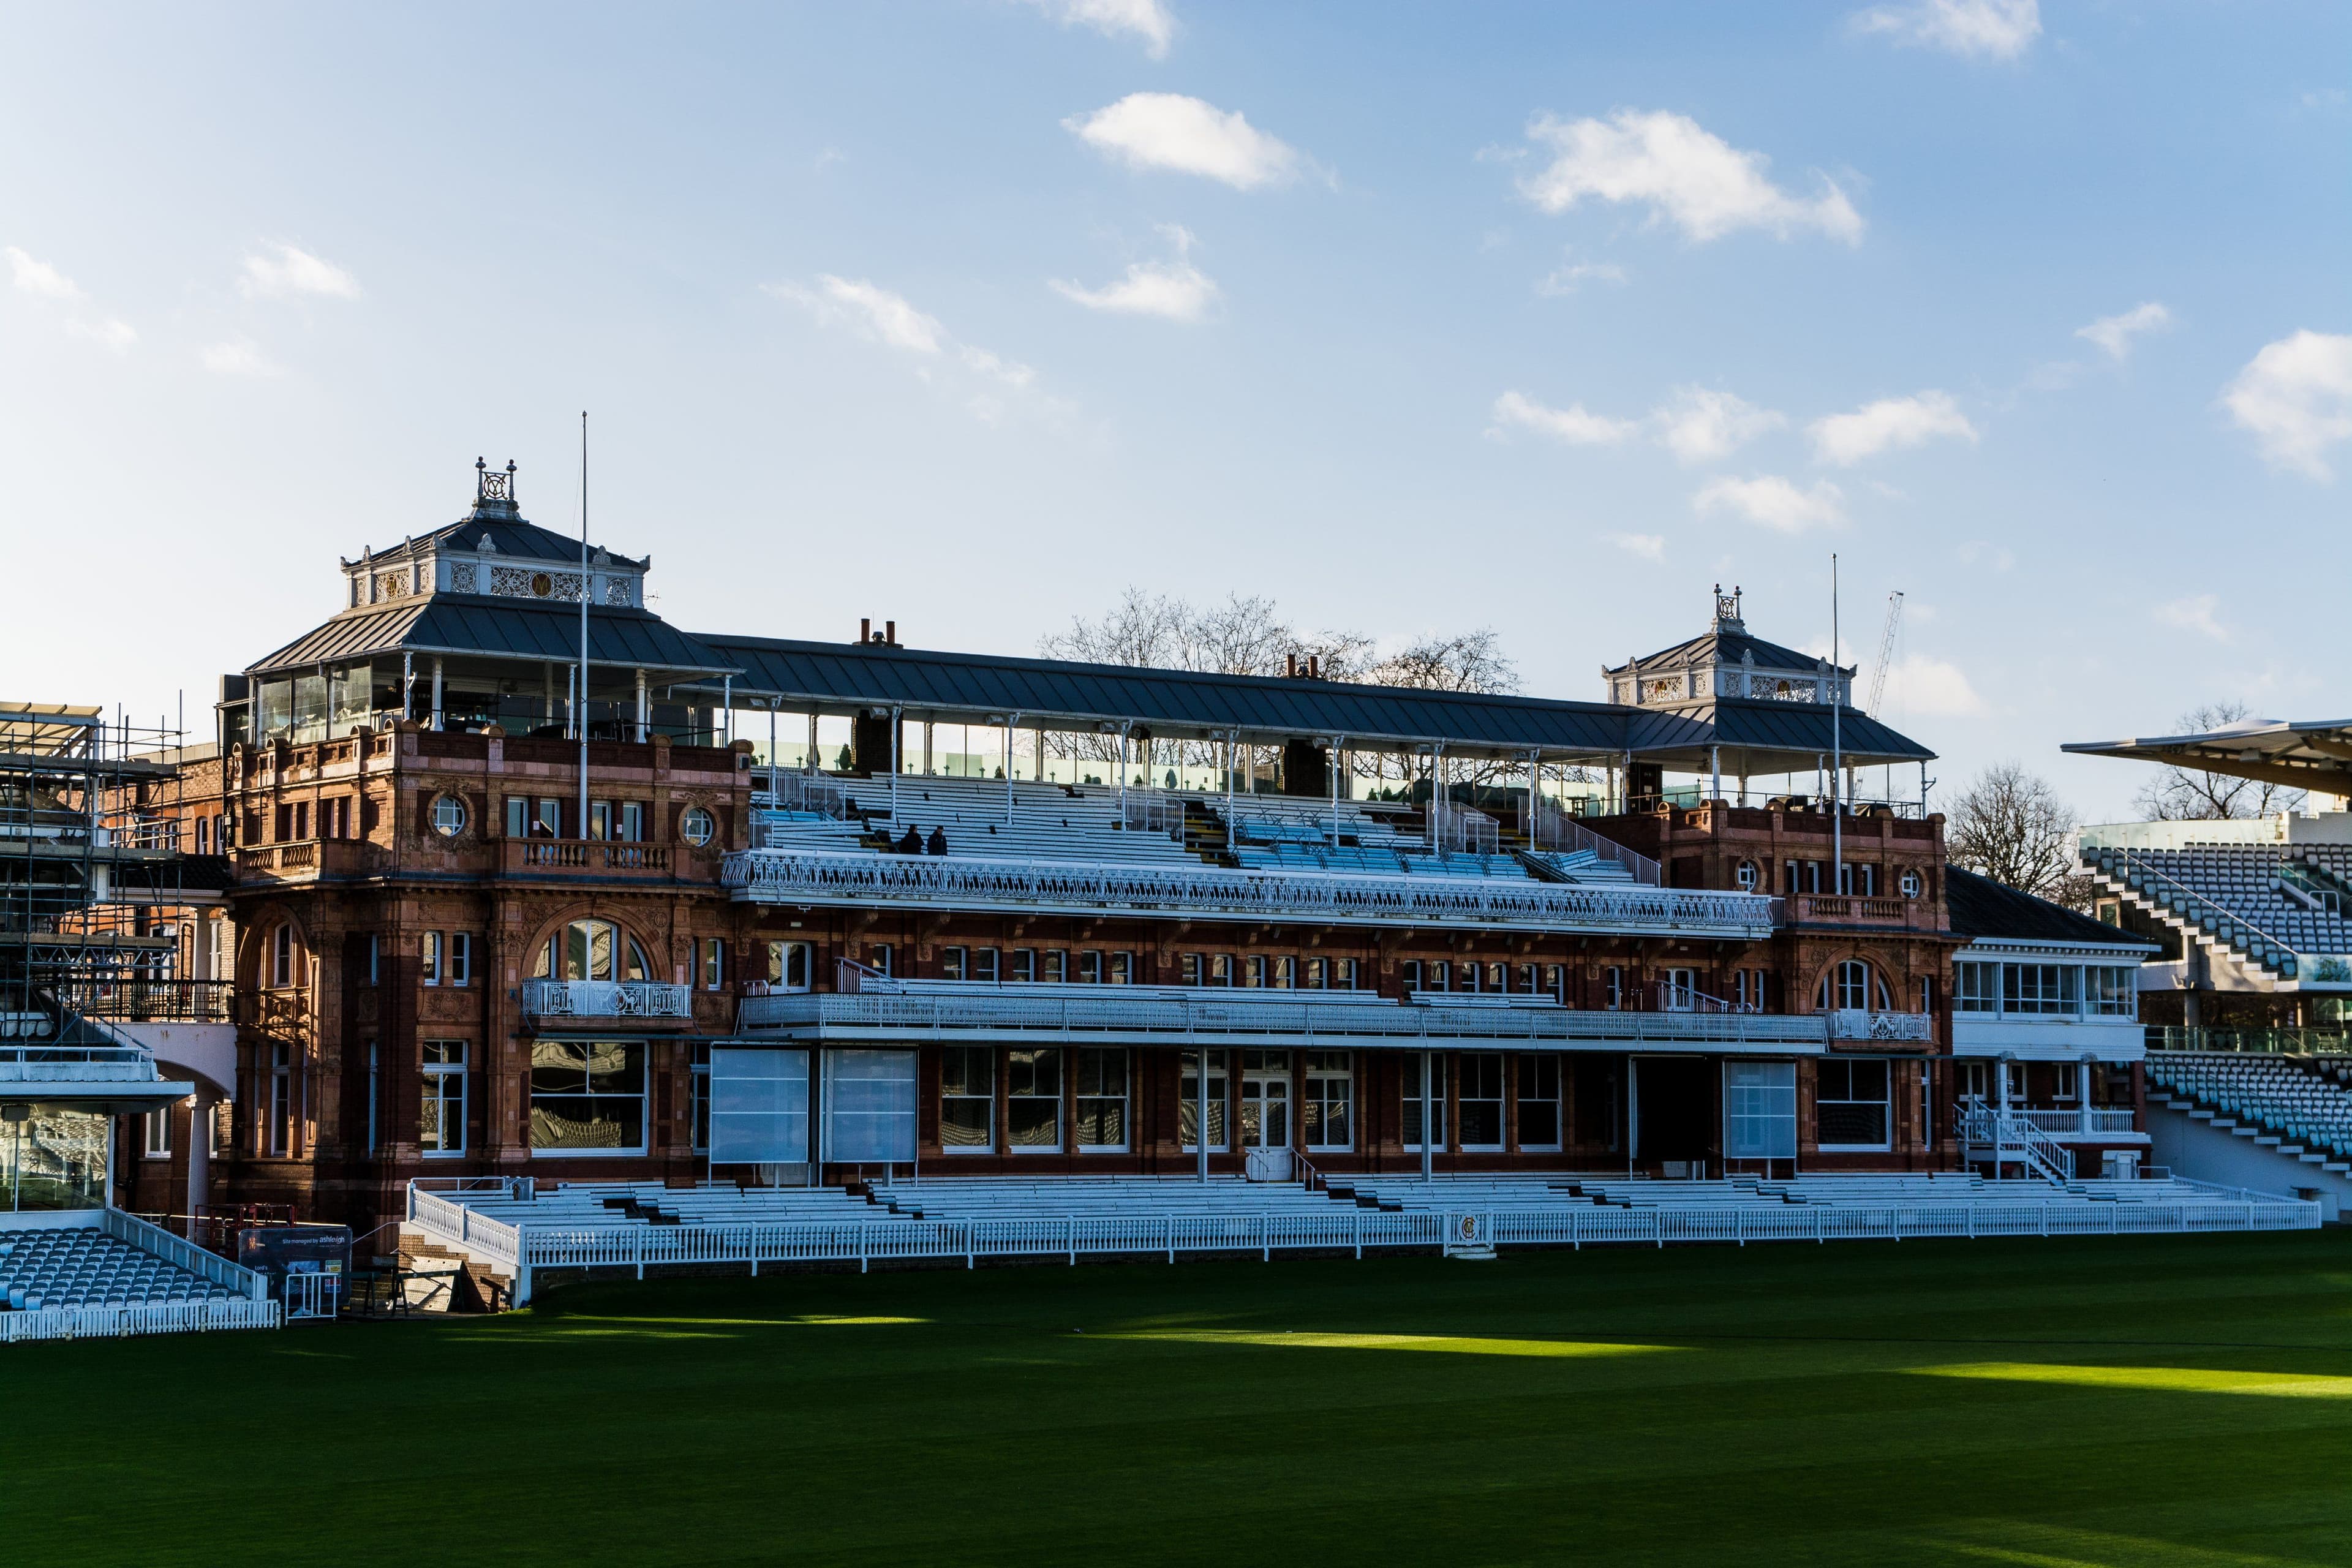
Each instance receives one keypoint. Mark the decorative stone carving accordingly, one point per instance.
(462, 577)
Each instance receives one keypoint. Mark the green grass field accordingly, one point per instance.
(2125, 1401)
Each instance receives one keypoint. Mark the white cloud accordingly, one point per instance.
(44, 282)
(990, 386)
(41, 279)
(2296, 398)
(1570, 275)
(1846, 439)
(1175, 290)
(1682, 173)
(1169, 131)
(1929, 687)
(2001, 29)
(2194, 614)
(1572, 424)
(1702, 426)
(1775, 503)
(1648, 546)
(237, 356)
(292, 272)
(2115, 333)
(1147, 19)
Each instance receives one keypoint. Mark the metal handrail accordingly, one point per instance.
(815, 877)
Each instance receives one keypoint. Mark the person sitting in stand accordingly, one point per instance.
(912, 844)
(938, 842)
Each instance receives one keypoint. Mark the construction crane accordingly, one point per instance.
(1885, 650)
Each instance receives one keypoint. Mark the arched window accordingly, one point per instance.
(281, 956)
(1852, 986)
(590, 950)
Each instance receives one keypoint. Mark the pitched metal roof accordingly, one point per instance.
(841, 676)
(478, 625)
(509, 533)
(1981, 907)
(1803, 729)
(2312, 754)
(1727, 648)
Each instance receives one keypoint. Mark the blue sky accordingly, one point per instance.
(1416, 318)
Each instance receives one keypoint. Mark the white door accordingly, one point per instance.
(1266, 1114)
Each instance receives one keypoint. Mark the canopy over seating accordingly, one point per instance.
(2312, 754)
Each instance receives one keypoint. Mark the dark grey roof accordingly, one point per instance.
(923, 682)
(1803, 728)
(1981, 907)
(474, 624)
(2315, 753)
(1729, 647)
(511, 532)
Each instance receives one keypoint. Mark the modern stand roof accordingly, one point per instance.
(847, 678)
(2314, 754)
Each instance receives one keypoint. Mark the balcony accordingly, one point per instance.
(1842, 908)
(606, 999)
(1332, 1020)
(153, 1001)
(781, 877)
(302, 859)
(584, 856)
(1853, 1024)
(117, 1079)
(2089, 1121)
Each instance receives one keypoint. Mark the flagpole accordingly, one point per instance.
(581, 824)
(1837, 763)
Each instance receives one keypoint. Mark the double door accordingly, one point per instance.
(1266, 1114)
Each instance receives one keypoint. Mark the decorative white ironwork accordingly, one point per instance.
(606, 999)
(617, 590)
(524, 583)
(390, 586)
(779, 876)
(1081, 1014)
(1856, 1024)
(462, 577)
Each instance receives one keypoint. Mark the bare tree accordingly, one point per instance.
(2009, 824)
(2189, 794)
(1140, 629)
(1467, 661)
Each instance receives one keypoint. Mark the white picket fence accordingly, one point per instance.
(864, 1241)
(151, 1317)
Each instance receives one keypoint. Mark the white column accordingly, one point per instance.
(436, 691)
(645, 706)
(199, 1149)
(1428, 1136)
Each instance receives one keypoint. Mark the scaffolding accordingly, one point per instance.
(90, 853)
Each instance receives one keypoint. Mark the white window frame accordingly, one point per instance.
(1028, 1064)
(698, 826)
(445, 1087)
(1089, 1067)
(281, 957)
(781, 955)
(1471, 1070)
(714, 964)
(964, 1095)
(1536, 1065)
(460, 968)
(428, 958)
(1410, 1096)
(1220, 1085)
(155, 1135)
(1885, 1102)
(1330, 1084)
(450, 815)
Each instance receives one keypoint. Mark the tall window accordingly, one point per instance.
(374, 1095)
(374, 958)
(1102, 1099)
(1482, 1099)
(1412, 1095)
(281, 957)
(953, 962)
(1282, 974)
(1033, 1100)
(1189, 969)
(1613, 987)
(1329, 1112)
(967, 1100)
(157, 1144)
(714, 963)
(984, 966)
(1053, 966)
(1315, 977)
(461, 958)
(588, 1097)
(880, 958)
(1188, 1109)
(1498, 977)
(1122, 969)
(1265, 1099)
(280, 1133)
(1090, 967)
(592, 950)
(1025, 965)
(697, 1088)
(1221, 969)
(1344, 971)
(428, 963)
(518, 816)
(1850, 1104)
(1852, 986)
(441, 1121)
(1539, 1118)
(790, 964)
(1254, 971)
(1681, 989)
(1555, 981)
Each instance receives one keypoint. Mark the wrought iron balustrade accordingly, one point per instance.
(1207, 892)
(606, 999)
(1908, 1028)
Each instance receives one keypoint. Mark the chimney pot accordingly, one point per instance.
(1290, 664)
(865, 628)
(890, 633)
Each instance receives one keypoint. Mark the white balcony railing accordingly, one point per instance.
(606, 999)
(76, 1064)
(1907, 1029)
(1086, 1013)
(2085, 1123)
(1205, 892)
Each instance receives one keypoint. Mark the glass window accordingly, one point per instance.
(1315, 975)
(1033, 1100)
(1975, 987)
(714, 963)
(879, 957)
(441, 1123)
(461, 958)
(1410, 971)
(1122, 969)
(1025, 965)
(631, 828)
(1540, 1120)
(309, 708)
(448, 815)
(1221, 969)
(1482, 1099)
(1265, 1099)
(2048, 989)
(1759, 1111)
(1555, 981)
(1282, 974)
(1613, 987)
(281, 957)
(599, 819)
(1344, 974)
(157, 1143)
(1498, 977)
(1254, 971)
(984, 966)
(2112, 992)
(1328, 1111)
(967, 1100)
(428, 962)
(789, 965)
(696, 826)
(588, 1097)
(1412, 1065)
(1189, 969)
(1681, 989)
(1850, 1104)
(548, 819)
(276, 708)
(697, 1088)
(1188, 1109)
(1102, 1099)
(953, 962)
(588, 950)
(1053, 966)
(1090, 967)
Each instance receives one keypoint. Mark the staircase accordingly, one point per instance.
(1991, 1133)
(1205, 834)
(2226, 937)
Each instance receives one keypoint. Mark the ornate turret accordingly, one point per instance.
(495, 551)
(1726, 662)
